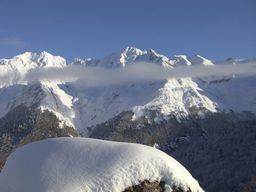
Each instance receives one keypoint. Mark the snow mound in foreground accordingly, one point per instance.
(82, 164)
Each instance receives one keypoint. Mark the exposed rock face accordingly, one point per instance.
(221, 145)
(147, 186)
(24, 125)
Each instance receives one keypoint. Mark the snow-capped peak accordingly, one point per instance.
(199, 60)
(152, 53)
(119, 59)
(16, 67)
(183, 60)
(132, 51)
(180, 60)
(129, 55)
(151, 56)
(42, 59)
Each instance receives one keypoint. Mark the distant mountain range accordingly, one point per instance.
(208, 124)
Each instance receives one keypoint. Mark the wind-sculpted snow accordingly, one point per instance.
(82, 164)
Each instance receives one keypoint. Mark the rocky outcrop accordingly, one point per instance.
(147, 186)
(156, 186)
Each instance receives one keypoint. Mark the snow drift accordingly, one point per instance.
(82, 164)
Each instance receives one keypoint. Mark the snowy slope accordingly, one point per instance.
(74, 165)
(177, 97)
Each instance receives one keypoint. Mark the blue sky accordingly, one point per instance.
(216, 29)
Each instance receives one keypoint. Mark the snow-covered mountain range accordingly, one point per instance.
(83, 107)
(169, 107)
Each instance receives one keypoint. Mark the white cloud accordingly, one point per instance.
(96, 76)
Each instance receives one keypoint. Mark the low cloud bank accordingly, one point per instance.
(97, 76)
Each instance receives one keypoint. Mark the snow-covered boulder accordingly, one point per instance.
(82, 164)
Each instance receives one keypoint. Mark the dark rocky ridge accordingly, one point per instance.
(24, 125)
(219, 150)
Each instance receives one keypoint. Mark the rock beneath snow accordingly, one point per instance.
(156, 186)
(147, 186)
(83, 164)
